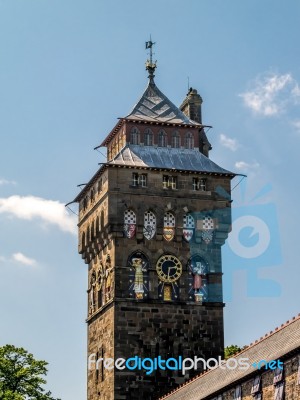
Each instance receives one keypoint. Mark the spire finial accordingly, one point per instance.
(150, 65)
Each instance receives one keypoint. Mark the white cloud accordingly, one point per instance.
(243, 165)
(21, 258)
(30, 207)
(6, 182)
(271, 94)
(228, 142)
(296, 125)
(296, 90)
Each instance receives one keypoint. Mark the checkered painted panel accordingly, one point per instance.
(149, 219)
(129, 217)
(169, 219)
(188, 221)
(208, 223)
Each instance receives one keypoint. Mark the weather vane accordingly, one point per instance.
(150, 65)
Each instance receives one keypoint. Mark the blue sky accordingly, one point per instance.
(68, 70)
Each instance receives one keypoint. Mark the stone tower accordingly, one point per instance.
(152, 221)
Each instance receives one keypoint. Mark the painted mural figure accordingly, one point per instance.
(198, 271)
(137, 264)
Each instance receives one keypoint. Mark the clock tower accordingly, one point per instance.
(152, 221)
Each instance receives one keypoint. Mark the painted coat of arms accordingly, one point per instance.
(149, 229)
(207, 226)
(169, 226)
(188, 227)
(129, 224)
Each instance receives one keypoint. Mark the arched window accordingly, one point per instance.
(135, 136)
(109, 153)
(120, 141)
(88, 234)
(83, 240)
(162, 139)
(93, 230)
(148, 137)
(175, 140)
(100, 185)
(102, 220)
(189, 141)
(92, 195)
(97, 225)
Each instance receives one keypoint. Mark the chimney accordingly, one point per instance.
(191, 106)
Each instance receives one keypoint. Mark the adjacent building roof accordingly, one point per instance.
(167, 158)
(154, 106)
(273, 346)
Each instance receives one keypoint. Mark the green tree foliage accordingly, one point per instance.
(21, 376)
(230, 351)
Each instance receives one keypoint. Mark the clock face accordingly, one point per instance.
(169, 268)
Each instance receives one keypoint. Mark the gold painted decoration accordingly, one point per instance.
(168, 268)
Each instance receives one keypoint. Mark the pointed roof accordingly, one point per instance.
(154, 106)
(167, 158)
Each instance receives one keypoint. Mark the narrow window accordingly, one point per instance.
(135, 179)
(202, 185)
(162, 139)
(102, 365)
(175, 140)
(173, 182)
(279, 390)
(93, 230)
(189, 141)
(256, 385)
(195, 184)
(278, 375)
(135, 136)
(165, 181)
(97, 225)
(85, 203)
(100, 185)
(97, 368)
(199, 184)
(237, 394)
(143, 180)
(169, 182)
(92, 195)
(102, 220)
(148, 137)
(83, 240)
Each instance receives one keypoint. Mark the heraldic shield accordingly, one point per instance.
(129, 230)
(149, 229)
(129, 224)
(169, 226)
(208, 227)
(188, 227)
